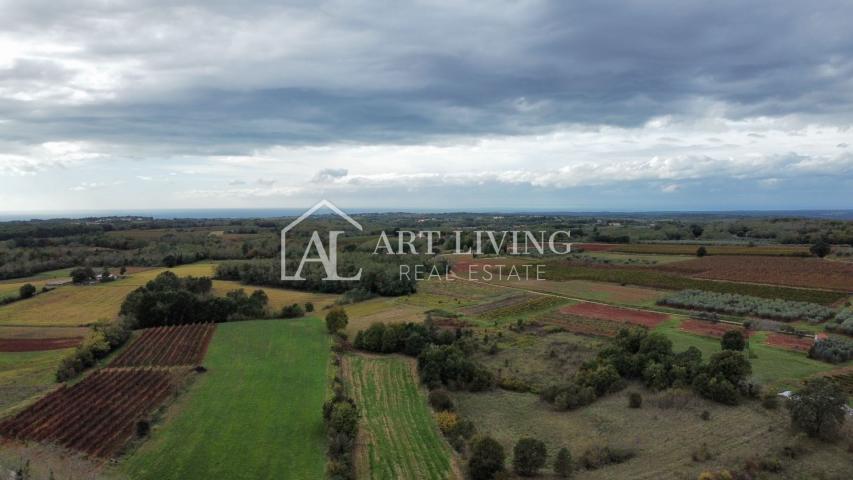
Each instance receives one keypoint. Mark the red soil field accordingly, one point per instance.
(167, 346)
(624, 315)
(791, 271)
(37, 344)
(96, 416)
(708, 329)
(790, 342)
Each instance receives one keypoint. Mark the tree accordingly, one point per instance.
(733, 340)
(309, 307)
(733, 366)
(701, 252)
(106, 275)
(563, 463)
(818, 409)
(170, 261)
(528, 456)
(26, 291)
(487, 459)
(292, 311)
(336, 319)
(820, 249)
(122, 270)
(82, 275)
(696, 230)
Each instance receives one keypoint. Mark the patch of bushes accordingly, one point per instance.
(597, 457)
(736, 304)
(170, 300)
(486, 460)
(107, 337)
(292, 311)
(529, 456)
(832, 350)
(635, 400)
(818, 409)
(842, 323)
(340, 415)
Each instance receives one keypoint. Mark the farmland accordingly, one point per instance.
(256, 413)
(278, 297)
(76, 305)
(650, 278)
(709, 329)
(796, 272)
(96, 416)
(399, 438)
(615, 314)
(690, 249)
(167, 346)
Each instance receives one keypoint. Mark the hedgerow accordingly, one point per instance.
(842, 323)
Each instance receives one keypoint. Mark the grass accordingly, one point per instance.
(385, 310)
(401, 439)
(256, 413)
(25, 374)
(663, 439)
(561, 271)
(774, 367)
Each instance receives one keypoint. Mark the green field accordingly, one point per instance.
(774, 367)
(256, 413)
(398, 438)
(25, 374)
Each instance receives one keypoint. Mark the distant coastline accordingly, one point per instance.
(242, 213)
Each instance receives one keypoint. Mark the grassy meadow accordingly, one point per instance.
(255, 414)
(398, 438)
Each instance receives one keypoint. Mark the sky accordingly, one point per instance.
(582, 105)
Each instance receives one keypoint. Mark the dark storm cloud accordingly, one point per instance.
(217, 78)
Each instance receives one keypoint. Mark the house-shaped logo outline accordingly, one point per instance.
(322, 203)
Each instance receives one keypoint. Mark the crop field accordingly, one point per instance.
(364, 314)
(663, 438)
(638, 259)
(596, 291)
(690, 249)
(797, 272)
(509, 300)
(255, 414)
(531, 305)
(581, 325)
(561, 271)
(142, 277)
(68, 306)
(615, 314)
(77, 305)
(26, 374)
(278, 297)
(398, 437)
(96, 416)
(709, 329)
(790, 342)
(167, 346)
(37, 344)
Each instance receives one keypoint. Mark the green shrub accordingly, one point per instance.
(487, 459)
(635, 400)
(563, 463)
(528, 456)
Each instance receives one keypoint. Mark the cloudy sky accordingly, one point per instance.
(582, 105)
